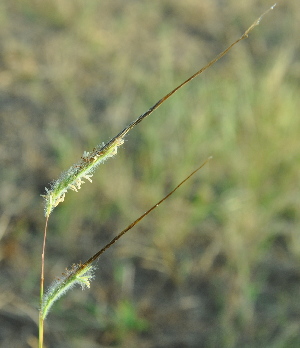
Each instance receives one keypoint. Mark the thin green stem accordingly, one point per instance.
(41, 320)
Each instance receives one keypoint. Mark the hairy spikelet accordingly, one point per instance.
(75, 275)
(74, 177)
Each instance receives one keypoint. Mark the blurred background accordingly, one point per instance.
(218, 264)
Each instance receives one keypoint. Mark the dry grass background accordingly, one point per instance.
(218, 264)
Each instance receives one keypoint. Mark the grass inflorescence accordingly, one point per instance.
(74, 177)
(71, 277)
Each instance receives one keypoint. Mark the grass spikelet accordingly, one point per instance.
(74, 177)
(75, 275)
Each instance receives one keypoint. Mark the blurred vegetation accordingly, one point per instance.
(218, 264)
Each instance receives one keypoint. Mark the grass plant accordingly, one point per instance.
(74, 177)
(218, 266)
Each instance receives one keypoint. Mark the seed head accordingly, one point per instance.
(83, 169)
